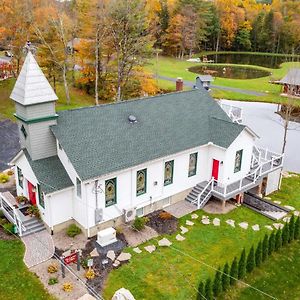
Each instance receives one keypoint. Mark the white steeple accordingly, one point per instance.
(32, 87)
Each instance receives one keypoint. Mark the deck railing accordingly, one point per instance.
(233, 112)
(11, 213)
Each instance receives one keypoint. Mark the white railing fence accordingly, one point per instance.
(11, 213)
(209, 188)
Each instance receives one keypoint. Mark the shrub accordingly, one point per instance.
(297, 229)
(21, 198)
(242, 265)
(139, 223)
(73, 230)
(208, 290)
(90, 274)
(10, 172)
(278, 240)
(9, 228)
(200, 293)
(225, 278)
(84, 262)
(271, 244)
(258, 254)
(265, 248)
(165, 215)
(4, 178)
(34, 211)
(292, 228)
(217, 285)
(52, 268)
(68, 287)
(1, 214)
(233, 271)
(285, 234)
(250, 260)
(52, 280)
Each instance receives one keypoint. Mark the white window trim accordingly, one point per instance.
(143, 213)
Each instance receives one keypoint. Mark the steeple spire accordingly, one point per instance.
(32, 87)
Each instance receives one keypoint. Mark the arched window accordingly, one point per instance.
(193, 164)
(141, 182)
(169, 167)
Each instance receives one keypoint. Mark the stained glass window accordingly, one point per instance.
(193, 164)
(238, 161)
(141, 182)
(78, 187)
(110, 192)
(169, 167)
(41, 197)
(20, 177)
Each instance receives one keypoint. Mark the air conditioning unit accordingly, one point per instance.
(129, 214)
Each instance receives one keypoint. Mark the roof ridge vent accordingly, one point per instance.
(132, 119)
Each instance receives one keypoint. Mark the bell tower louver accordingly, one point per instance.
(35, 110)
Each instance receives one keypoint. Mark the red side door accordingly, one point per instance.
(215, 169)
(31, 193)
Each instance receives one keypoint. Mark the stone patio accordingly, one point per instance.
(180, 208)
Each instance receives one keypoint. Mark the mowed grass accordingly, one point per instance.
(16, 281)
(79, 98)
(175, 272)
(172, 67)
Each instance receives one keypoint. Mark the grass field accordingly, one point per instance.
(171, 67)
(16, 282)
(174, 273)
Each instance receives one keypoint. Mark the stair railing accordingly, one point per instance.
(211, 184)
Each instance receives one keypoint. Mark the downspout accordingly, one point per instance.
(50, 213)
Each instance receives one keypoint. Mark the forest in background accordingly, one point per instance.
(109, 41)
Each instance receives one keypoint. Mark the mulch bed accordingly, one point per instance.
(162, 226)
(5, 236)
(101, 272)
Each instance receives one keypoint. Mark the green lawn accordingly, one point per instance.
(16, 282)
(171, 67)
(78, 99)
(169, 274)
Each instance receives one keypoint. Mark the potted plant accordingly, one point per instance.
(22, 200)
(33, 211)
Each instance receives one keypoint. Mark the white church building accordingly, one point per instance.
(102, 165)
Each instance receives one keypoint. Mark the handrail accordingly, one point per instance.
(204, 189)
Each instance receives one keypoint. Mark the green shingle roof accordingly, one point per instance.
(50, 173)
(100, 140)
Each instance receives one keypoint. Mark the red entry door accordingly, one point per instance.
(31, 193)
(215, 169)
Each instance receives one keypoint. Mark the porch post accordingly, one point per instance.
(223, 205)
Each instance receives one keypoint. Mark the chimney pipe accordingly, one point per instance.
(179, 84)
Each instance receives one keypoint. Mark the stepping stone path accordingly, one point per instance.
(194, 216)
(111, 255)
(137, 250)
(150, 248)
(164, 243)
(244, 225)
(267, 198)
(269, 227)
(216, 221)
(183, 230)
(286, 219)
(277, 202)
(124, 256)
(116, 263)
(180, 238)
(278, 225)
(205, 220)
(189, 223)
(230, 222)
(289, 207)
(297, 213)
(94, 253)
(256, 227)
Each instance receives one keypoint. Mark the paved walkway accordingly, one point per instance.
(180, 208)
(219, 87)
(39, 248)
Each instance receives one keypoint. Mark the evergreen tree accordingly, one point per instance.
(208, 290)
(297, 229)
(258, 254)
(242, 265)
(278, 240)
(292, 229)
(271, 245)
(250, 260)
(217, 285)
(285, 234)
(201, 291)
(225, 277)
(233, 271)
(265, 248)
